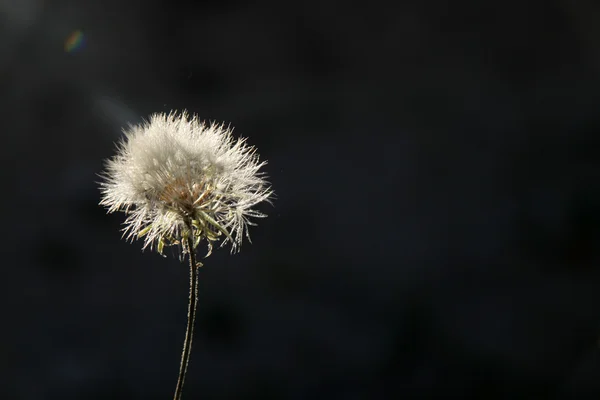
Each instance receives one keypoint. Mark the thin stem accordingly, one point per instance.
(189, 333)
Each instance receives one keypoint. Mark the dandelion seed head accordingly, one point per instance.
(175, 176)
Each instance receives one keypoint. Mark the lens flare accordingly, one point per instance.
(75, 41)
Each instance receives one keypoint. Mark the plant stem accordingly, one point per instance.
(189, 333)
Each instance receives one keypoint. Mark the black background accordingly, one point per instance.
(435, 232)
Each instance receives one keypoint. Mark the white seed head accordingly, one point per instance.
(176, 176)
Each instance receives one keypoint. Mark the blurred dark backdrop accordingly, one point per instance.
(436, 231)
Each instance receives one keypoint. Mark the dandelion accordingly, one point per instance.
(182, 182)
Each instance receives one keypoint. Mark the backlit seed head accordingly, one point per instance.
(176, 176)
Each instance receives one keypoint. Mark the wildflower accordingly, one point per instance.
(180, 182)
(176, 176)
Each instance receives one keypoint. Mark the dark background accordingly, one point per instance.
(437, 221)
